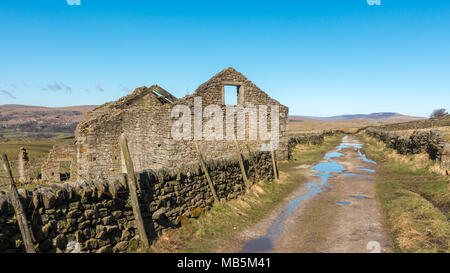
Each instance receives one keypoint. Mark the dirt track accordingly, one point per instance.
(335, 212)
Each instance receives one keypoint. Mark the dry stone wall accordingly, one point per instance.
(145, 120)
(97, 216)
(431, 142)
(309, 138)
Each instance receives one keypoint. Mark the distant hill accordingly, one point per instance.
(382, 117)
(308, 124)
(18, 114)
(37, 121)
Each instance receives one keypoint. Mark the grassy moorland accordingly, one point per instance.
(310, 125)
(219, 225)
(445, 130)
(414, 197)
(314, 126)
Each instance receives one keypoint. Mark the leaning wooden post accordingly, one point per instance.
(132, 187)
(274, 163)
(205, 170)
(241, 163)
(252, 160)
(20, 214)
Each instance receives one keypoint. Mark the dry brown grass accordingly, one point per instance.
(445, 130)
(296, 127)
(414, 196)
(312, 126)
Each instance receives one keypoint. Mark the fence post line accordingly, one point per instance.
(274, 163)
(205, 170)
(20, 214)
(252, 160)
(132, 187)
(241, 164)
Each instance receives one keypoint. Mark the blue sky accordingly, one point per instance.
(319, 57)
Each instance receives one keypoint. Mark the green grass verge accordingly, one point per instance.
(414, 200)
(219, 225)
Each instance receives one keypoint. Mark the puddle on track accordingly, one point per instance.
(360, 197)
(367, 170)
(266, 243)
(363, 157)
(353, 174)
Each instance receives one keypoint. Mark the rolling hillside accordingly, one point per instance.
(382, 117)
(308, 124)
(19, 114)
(36, 121)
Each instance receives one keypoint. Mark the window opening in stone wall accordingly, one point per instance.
(231, 94)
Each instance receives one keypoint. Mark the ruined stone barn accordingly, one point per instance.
(144, 117)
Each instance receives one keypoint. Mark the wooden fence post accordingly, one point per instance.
(257, 174)
(132, 187)
(20, 214)
(274, 163)
(241, 164)
(205, 170)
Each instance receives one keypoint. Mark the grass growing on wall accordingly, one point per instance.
(414, 198)
(217, 226)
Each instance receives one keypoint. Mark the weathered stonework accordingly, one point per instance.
(98, 215)
(144, 117)
(23, 165)
(51, 169)
(431, 142)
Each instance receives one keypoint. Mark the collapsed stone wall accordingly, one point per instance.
(211, 93)
(309, 138)
(97, 215)
(146, 122)
(51, 169)
(431, 142)
(23, 165)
